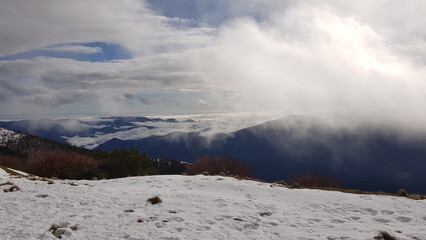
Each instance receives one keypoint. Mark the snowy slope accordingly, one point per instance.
(8, 135)
(200, 207)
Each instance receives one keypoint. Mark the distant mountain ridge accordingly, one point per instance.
(21, 144)
(367, 159)
(59, 129)
(24, 147)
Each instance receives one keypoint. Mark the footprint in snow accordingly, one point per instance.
(382, 220)
(250, 226)
(160, 225)
(273, 224)
(337, 221)
(211, 222)
(389, 212)
(403, 219)
(203, 228)
(175, 219)
(314, 220)
(371, 211)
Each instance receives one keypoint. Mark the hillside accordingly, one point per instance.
(362, 158)
(49, 158)
(199, 207)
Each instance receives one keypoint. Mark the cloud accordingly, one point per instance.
(314, 58)
(57, 82)
(130, 96)
(50, 22)
(360, 59)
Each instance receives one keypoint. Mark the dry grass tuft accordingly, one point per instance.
(11, 172)
(54, 227)
(155, 200)
(74, 228)
(6, 183)
(383, 235)
(13, 187)
(265, 214)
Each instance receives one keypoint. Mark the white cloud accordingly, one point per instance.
(28, 25)
(316, 58)
(358, 58)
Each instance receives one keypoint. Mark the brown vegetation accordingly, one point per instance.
(402, 192)
(219, 166)
(60, 164)
(314, 180)
(383, 235)
(155, 200)
(12, 188)
(12, 162)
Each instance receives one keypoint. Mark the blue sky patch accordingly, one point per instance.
(91, 52)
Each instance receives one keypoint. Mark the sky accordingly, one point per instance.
(361, 59)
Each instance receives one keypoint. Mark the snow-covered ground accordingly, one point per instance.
(199, 207)
(8, 135)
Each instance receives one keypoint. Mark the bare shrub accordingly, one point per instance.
(402, 192)
(61, 164)
(314, 180)
(219, 166)
(383, 235)
(155, 200)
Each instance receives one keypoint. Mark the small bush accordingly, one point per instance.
(313, 180)
(402, 192)
(155, 200)
(219, 166)
(383, 235)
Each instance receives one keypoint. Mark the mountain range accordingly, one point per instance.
(367, 158)
(363, 158)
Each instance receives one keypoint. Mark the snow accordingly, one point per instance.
(8, 135)
(199, 207)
